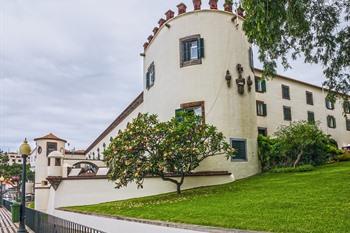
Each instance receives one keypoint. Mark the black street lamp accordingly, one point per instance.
(24, 150)
(2, 179)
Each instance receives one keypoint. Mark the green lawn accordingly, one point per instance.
(316, 201)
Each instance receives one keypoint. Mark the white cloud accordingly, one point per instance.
(70, 66)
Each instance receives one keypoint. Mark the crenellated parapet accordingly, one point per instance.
(197, 6)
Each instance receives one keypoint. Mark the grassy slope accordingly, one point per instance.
(317, 201)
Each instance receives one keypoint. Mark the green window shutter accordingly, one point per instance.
(200, 48)
(285, 92)
(287, 113)
(256, 84)
(263, 84)
(265, 109)
(335, 122)
(241, 150)
(154, 74)
(348, 124)
(328, 121)
(311, 117)
(178, 113)
(186, 51)
(147, 80)
(251, 58)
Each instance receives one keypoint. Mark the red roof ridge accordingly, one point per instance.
(50, 136)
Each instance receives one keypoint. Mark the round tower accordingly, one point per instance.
(45, 145)
(202, 61)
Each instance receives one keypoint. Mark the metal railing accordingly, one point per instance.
(6, 204)
(40, 222)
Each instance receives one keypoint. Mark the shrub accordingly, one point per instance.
(302, 168)
(344, 157)
(297, 144)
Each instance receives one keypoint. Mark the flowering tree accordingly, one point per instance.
(170, 150)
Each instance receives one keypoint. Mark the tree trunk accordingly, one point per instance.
(298, 159)
(178, 188)
(178, 183)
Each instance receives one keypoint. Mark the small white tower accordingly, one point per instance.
(55, 159)
(54, 172)
(45, 145)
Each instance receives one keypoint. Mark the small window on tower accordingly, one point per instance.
(191, 50)
(197, 108)
(240, 145)
(57, 162)
(150, 76)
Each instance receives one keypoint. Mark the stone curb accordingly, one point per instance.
(168, 224)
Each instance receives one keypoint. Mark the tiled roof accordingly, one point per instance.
(50, 136)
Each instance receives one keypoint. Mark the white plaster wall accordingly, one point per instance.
(225, 47)
(41, 198)
(297, 102)
(93, 191)
(54, 170)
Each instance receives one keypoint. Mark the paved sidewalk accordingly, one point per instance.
(6, 225)
(115, 225)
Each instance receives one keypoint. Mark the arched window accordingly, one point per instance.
(86, 168)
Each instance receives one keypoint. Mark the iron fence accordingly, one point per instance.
(40, 222)
(7, 204)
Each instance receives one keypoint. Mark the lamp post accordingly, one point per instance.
(2, 179)
(24, 150)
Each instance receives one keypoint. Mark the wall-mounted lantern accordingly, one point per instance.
(240, 81)
(249, 83)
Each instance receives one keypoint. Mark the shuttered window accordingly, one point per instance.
(309, 98)
(329, 104)
(260, 85)
(196, 108)
(150, 76)
(240, 145)
(261, 109)
(348, 124)
(251, 58)
(331, 122)
(311, 117)
(287, 113)
(346, 106)
(191, 50)
(285, 92)
(57, 162)
(50, 147)
(262, 131)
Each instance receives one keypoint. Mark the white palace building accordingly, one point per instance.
(199, 60)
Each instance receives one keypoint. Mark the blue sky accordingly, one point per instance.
(71, 66)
